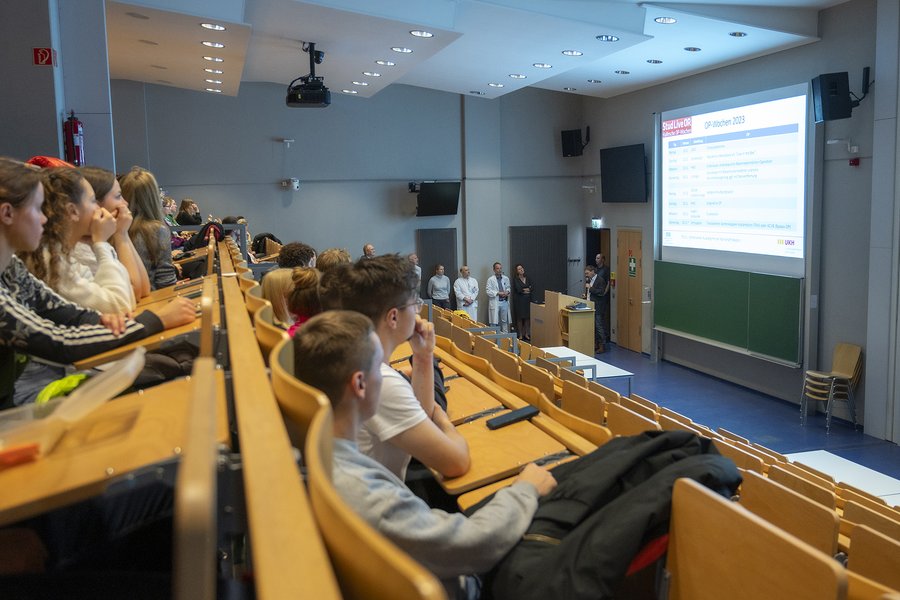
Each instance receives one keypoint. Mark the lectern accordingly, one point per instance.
(554, 324)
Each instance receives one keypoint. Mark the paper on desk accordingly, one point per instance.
(44, 433)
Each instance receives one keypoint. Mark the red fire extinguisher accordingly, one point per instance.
(73, 138)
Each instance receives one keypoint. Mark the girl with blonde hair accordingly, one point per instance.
(276, 286)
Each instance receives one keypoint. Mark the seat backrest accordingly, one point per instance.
(846, 360)
(638, 407)
(481, 347)
(547, 365)
(741, 458)
(875, 555)
(505, 362)
(442, 326)
(268, 334)
(593, 432)
(792, 512)
(815, 476)
(367, 564)
(672, 414)
(206, 318)
(246, 281)
(254, 299)
(528, 393)
(468, 359)
(297, 402)
(718, 549)
(622, 421)
(573, 376)
(608, 394)
(583, 403)
(462, 338)
(525, 350)
(539, 378)
(861, 515)
(194, 527)
(732, 436)
(802, 486)
(648, 403)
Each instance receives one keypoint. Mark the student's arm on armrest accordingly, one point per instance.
(436, 444)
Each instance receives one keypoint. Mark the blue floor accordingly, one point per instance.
(761, 418)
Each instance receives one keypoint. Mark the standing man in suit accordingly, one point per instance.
(603, 273)
(593, 287)
(497, 290)
(466, 289)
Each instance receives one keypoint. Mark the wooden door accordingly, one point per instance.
(628, 289)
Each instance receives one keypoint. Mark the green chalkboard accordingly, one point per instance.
(755, 312)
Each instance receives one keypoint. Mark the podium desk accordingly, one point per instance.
(552, 324)
(125, 434)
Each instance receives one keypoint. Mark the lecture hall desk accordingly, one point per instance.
(133, 431)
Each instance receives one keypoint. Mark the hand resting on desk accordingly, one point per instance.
(539, 477)
(180, 311)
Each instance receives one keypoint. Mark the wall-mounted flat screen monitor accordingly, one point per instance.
(438, 198)
(623, 174)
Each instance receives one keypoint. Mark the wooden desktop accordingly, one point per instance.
(552, 324)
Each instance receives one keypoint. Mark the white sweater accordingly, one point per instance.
(94, 278)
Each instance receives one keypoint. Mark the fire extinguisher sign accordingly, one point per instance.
(44, 57)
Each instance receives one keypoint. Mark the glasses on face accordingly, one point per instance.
(418, 303)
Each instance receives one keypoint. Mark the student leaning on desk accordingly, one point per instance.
(33, 319)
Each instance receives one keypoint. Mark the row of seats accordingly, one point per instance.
(786, 494)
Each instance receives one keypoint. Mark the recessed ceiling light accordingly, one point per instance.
(216, 81)
(692, 49)
(371, 74)
(654, 61)
(607, 38)
(360, 83)
(542, 66)
(594, 81)
(350, 91)
(137, 15)
(214, 90)
(573, 52)
(496, 85)
(159, 67)
(212, 26)
(385, 63)
(570, 89)
(623, 72)
(213, 44)
(476, 92)
(215, 59)
(665, 20)
(517, 76)
(738, 34)
(213, 71)
(421, 33)
(401, 50)
(149, 42)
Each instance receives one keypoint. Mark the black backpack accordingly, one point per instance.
(258, 246)
(201, 238)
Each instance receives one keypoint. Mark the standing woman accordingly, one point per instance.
(109, 196)
(150, 234)
(35, 321)
(439, 288)
(522, 286)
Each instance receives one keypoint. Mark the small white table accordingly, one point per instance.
(602, 370)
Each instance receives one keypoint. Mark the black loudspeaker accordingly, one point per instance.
(571, 142)
(831, 97)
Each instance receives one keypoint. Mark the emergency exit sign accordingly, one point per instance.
(44, 57)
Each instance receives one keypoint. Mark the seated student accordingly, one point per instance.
(303, 298)
(33, 319)
(150, 234)
(276, 286)
(409, 422)
(73, 216)
(109, 196)
(332, 257)
(339, 353)
(296, 254)
(188, 213)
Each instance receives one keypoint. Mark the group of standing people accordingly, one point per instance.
(500, 291)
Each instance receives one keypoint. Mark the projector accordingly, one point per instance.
(309, 94)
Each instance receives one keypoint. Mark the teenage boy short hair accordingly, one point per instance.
(332, 346)
(372, 286)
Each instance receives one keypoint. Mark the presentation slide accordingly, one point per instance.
(734, 179)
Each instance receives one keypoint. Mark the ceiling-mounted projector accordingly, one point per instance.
(311, 91)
